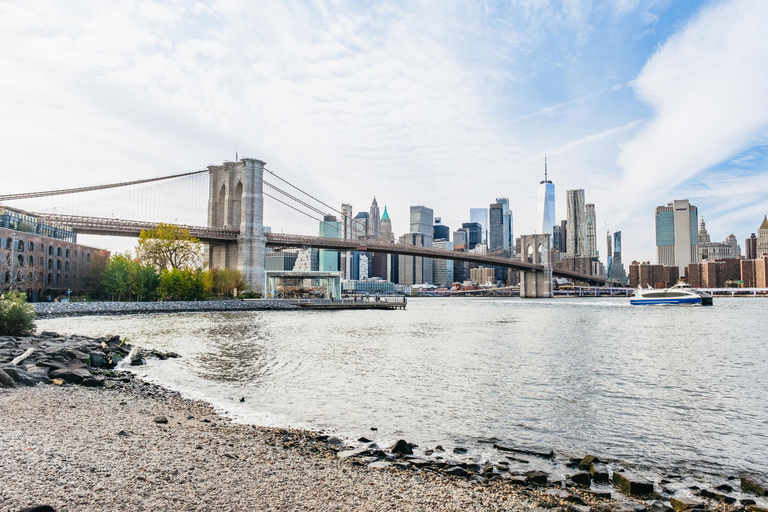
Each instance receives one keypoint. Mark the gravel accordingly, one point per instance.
(78, 448)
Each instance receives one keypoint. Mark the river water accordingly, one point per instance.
(659, 389)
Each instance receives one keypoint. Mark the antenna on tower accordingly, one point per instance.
(545, 167)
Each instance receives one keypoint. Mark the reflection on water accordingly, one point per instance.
(666, 387)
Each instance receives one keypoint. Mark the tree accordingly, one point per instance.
(16, 316)
(119, 278)
(147, 281)
(226, 280)
(176, 284)
(95, 273)
(169, 247)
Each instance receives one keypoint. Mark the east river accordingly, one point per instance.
(679, 391)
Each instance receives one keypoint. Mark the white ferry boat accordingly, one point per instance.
(681, 293)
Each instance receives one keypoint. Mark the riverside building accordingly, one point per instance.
(676, 235)
(576, 223)
(546, 202)
(43, 259)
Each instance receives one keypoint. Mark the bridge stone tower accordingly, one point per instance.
(536, 249)
(236, 201)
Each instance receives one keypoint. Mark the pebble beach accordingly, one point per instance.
(78, 448)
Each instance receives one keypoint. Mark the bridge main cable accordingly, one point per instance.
(61, 192)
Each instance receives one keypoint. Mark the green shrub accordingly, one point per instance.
(16, 316)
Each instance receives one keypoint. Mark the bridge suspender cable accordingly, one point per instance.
(60, 192)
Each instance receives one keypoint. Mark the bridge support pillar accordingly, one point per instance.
(536, 249)
(236, 201)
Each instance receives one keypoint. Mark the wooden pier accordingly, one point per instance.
(360, 303)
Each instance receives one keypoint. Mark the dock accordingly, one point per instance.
(360, 303)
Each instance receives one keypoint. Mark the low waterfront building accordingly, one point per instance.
(656, 276)
(368, 287)
(483, 275)
(280, 260)
(754, 273)
(44, 259)
(303, 285)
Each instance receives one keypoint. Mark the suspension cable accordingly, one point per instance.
(46, 193)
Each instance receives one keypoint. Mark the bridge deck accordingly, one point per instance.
(130, 228)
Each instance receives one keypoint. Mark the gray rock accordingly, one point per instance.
(98, 359)
(753, 485)
(681, 504)
(518, 480)
(381, 464)
(95, 382)
(6, 381)
(537, 477)
(631, 484)
(71, 375)
(578, 508)
(587, 461)
(460, 450)
(599, 472)
(628, 506)
(582, 478)
(402, 447)
(160, 419)
(536, 453)
(456, 471)
(660, 506)
(557, 493)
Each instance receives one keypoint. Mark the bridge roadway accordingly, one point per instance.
(132, 228)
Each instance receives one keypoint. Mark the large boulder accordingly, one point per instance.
(599, 472)
(71, 375)
(754, 485)
(402, 447)
(537, 477)
(634, 485)
(6, 381)
(683, 504)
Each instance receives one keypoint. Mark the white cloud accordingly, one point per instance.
(708, 88)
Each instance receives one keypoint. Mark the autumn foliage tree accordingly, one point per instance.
(169, 247)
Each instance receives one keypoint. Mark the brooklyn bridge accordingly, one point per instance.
(235, 236)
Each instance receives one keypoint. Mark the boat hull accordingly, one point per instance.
(670, 301)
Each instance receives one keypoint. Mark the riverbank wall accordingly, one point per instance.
(64, 309)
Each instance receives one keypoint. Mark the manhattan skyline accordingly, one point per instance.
(445, 106)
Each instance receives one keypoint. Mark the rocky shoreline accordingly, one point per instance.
(80, 433)
(63, 309)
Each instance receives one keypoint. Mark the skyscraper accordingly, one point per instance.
(496, 227)
(374, 221)
(415, 269)
(750, 247)
(618, 272)
(608, 253)
(576, 227)
(591, 231)
(329, 261)
(676, 234)
(480, 216)
(507, 228)
(386, 226)
(546, 202)
(440, 231)
(762, 238)
(422, 220)
(474, 234)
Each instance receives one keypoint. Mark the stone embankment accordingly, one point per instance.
(62, 309)
(101, 439)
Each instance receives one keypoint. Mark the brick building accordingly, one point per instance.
(42, 259)
(754, 273)
(656, 276)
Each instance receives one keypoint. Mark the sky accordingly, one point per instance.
(447, 104)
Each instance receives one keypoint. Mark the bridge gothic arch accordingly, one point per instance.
(537, 283)
(236, 201)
